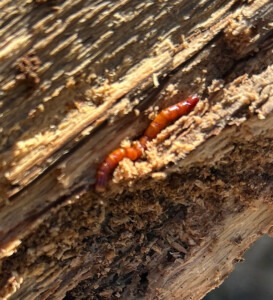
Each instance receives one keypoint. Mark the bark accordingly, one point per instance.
(78, 78)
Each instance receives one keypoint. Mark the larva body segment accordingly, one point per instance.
(111, 161)
(133, 152)
(170, 114)
(107, 167)
(161, 121)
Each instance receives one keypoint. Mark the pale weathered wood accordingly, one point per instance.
(80, 77)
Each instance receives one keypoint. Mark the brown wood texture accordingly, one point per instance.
(79, 78)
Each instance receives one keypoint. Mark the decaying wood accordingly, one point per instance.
(80, 77)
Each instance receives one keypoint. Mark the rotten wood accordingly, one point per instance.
(78, 78)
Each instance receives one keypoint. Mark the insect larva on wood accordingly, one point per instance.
(168, 115)
(111, 161)
(161, 121)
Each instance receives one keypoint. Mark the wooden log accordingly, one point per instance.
(79, 78)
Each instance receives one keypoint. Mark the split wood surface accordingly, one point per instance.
(80, 78)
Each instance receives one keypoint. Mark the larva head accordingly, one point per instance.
(193, 100)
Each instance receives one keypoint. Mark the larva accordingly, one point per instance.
(168, 115)
(111, 161)
(161, 121)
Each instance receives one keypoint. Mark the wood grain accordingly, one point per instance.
(79, 78)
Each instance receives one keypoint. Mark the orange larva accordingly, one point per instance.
(168, 115)
(111, 161)
(162, 120)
